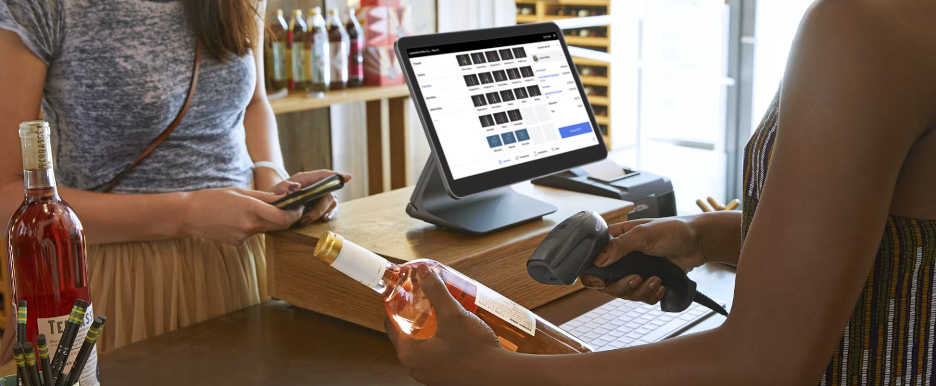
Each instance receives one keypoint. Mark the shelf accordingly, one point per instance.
(602, 120)
(554, 17)
(607, 140)
(595, 80)
(587, 41)
(599, 100)
(300, 101)
(589, 62)
(527, 19)
(584, 3)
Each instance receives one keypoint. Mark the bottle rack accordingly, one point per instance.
(595, 75)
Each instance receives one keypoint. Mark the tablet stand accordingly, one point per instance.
(477, 214)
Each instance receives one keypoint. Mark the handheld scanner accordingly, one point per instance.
(569, 250)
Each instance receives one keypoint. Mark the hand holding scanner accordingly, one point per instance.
(569, 250)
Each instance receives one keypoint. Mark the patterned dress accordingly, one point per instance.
(889, 339)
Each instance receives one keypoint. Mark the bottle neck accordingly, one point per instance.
(38, 176)
(40, 186)
(362, 265)
(39, 179)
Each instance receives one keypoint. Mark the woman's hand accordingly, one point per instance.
(462, 348)
(325, 208)
(231, 215)
(674, 238)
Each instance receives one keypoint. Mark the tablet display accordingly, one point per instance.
(517, 102)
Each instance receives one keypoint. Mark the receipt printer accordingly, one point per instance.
(651, 194)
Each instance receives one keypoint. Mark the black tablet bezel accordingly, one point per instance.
(494, 179)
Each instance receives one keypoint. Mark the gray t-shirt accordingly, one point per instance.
(119, 72)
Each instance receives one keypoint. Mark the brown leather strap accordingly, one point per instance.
(165, 134)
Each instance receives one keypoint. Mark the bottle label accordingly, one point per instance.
(339, 62)
(360, 264)
(355, 60)
(506, 309)
(320, 52)
(53, 328)
(299, 63)
(279, 61)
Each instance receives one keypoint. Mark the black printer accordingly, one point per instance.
(651, 194)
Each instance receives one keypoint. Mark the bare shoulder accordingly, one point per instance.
(877, 60)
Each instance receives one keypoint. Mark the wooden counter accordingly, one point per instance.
(379, 223)
(274, 344)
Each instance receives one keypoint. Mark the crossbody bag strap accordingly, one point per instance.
(165, 134)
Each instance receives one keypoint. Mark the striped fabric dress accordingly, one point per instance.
(889, 339)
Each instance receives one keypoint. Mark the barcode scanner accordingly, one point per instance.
(570, 248)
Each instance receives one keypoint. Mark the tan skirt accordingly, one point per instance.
(148, 288)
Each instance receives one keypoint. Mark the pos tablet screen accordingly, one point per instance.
(533, 120)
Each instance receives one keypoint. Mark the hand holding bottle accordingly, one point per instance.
(461, 340)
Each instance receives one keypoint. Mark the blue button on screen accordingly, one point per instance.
(508, 138)
(494, 141)
(579, 129)
(522, 135)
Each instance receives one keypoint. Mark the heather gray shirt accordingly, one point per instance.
(119, 72)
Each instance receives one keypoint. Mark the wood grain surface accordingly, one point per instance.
(379, 223)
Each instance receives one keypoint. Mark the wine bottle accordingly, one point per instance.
(409, 309)
(356, 51)
(46, 246)
(338, 43)
(319, 51)
(277, 53)
(297, 51)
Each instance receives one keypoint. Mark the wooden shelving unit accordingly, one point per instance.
(599, 80)
(301, 101)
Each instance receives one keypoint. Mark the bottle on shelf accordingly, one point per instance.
(47, 251)
(319, 52)
(338, 43)
(298, 32)
(277, 59)
(409, 309)
(356, 50)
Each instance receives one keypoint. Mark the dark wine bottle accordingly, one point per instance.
(356, 51)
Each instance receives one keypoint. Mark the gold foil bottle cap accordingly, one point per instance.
(317, 11)
(328, 247)
(297, 12)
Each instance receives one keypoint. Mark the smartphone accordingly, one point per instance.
(310, 193)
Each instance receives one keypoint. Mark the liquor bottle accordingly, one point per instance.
(338, 43)
(297, 51)
(356, 51)
(46, 247)
(277, 51)
(409, 309)
(319, 52)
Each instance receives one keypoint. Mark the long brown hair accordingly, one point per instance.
(223, 27)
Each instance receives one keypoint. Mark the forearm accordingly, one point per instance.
(113, 218)
(707, 358)
(720, 235)
(263, 142)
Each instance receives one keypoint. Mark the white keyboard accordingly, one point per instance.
(621, 323)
